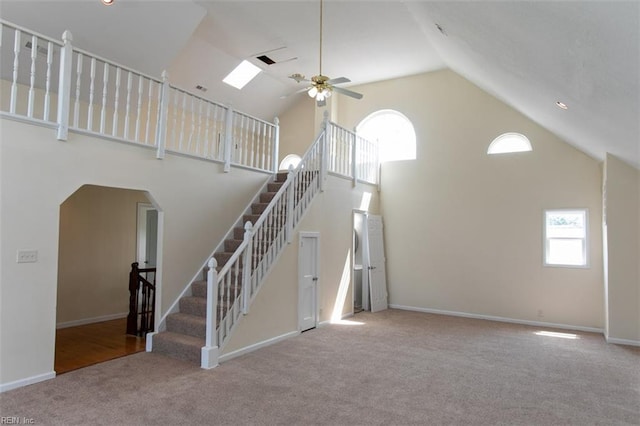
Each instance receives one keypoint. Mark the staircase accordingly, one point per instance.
(186, 330)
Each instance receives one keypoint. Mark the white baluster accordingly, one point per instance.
(32, 80)
(127, 108)
(92, 82)
(16, 63)
(228, 139)
(149, 103)
(139, 108)
(47, 84)
(323, 150)
(247, 269)
(275, 145)
(64, 86)
(163, 111)
(199, 131)
(183, 119)
(103, 111)
(76, 105)
(193, 123)
(114, 127)
(354, 160)
(207, 122)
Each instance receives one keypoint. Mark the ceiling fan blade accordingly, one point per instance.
(348, 92)
(339, 80)
(306, 89)
(298, 78)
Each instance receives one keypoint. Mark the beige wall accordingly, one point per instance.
(275, 309)
(622, 228)
(188, 193)
(297, 128)
(97, 246)
(464, 230)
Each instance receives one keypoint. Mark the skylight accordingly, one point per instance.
(241, 75)
(509, 142)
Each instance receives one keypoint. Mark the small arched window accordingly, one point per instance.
(289, 160)
(394, 133)
(509, 142)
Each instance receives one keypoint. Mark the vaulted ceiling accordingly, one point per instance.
(530, 54)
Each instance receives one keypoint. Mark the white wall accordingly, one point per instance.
(97, 246)
(463, 230)
(37, 173)
(622, 227)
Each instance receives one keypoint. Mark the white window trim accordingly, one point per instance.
(545, 241)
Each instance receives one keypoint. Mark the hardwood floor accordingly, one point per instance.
(81, 346)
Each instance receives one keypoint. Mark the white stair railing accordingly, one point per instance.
(102, 98)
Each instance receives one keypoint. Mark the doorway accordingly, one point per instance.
(308, 280)
(369, 270)
(97, 244)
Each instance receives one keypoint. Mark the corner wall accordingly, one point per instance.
(463, 230)
(622, 233)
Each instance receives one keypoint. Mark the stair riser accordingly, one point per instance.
(178, 350)
(196, 328)
(194, 306)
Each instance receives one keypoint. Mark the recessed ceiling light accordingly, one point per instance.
(107, 2)
(562, 105)
(241, 75)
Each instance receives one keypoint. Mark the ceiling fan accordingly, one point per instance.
(322, 86)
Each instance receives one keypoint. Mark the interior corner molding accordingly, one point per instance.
(4, 387)
(499, 319)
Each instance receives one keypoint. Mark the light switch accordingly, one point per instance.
(27, 256)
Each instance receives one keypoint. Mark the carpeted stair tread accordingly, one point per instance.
(232, 245)
(187, 324)
(266, 197)
(258, 208)
(180, 346)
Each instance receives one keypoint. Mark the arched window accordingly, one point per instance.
(393, 131)
(289, 160)
(509, 142)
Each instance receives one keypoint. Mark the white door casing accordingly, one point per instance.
(308, 265)
(376, 263)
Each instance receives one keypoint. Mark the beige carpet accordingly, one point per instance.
(396, 368)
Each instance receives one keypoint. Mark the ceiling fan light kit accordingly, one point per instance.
(322, 86)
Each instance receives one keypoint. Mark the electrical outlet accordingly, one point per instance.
(27, 256)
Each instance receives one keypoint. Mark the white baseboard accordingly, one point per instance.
(256, 346)
(93, 320)
(622, 341)
(28, 381)
(499, 319)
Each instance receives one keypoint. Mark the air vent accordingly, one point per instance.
(201, 88)
(276, 56)
(41, 50)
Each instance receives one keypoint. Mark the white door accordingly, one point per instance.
(308, 260)
(376, 263)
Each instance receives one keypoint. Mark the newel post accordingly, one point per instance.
(247, 257)
(163, 112)
(210, 352)
(276, 145)
(64, 86)
(323, 150)
(228, 139)
(132, 318)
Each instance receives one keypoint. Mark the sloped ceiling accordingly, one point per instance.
(530, 54)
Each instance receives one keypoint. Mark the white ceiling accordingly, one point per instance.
(530, 54)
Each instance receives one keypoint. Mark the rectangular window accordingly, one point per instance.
(565, 238)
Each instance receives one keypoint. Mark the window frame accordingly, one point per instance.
(585, 239)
